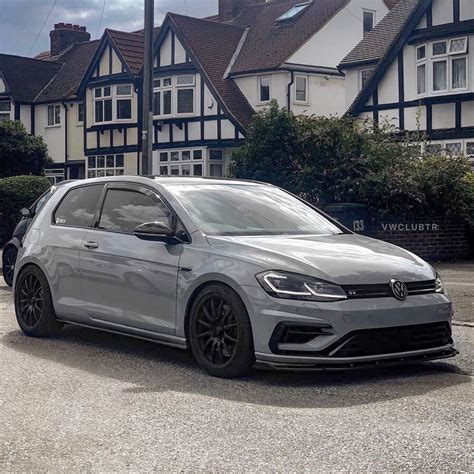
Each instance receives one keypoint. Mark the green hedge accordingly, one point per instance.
(15, 193)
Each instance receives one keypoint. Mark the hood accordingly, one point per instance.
(344, 258)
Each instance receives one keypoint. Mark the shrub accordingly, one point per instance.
(15, 193)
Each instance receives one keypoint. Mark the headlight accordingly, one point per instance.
(439, 285)
(299, 287)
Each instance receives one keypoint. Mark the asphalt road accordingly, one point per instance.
(98, 402)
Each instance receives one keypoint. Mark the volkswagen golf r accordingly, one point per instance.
(243, 273)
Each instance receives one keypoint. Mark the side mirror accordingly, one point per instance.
(158, 230)
(25, 212)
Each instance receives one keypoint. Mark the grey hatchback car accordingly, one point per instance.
(242, 273)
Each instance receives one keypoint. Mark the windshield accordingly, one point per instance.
(249, 209)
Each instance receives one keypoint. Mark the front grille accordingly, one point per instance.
(383, 290)
(369, 342)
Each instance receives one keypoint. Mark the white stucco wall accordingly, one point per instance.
(54, 135)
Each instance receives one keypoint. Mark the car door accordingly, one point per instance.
(128, 281)
(70, 222)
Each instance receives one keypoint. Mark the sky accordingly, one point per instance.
(22, 20)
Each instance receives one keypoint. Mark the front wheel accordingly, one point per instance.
(8, 265)
(220, 333)
(33, 304)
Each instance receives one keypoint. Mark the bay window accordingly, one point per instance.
(113, 103)
(440, 71)
(421, 69)
(174, 96)
(459, 73)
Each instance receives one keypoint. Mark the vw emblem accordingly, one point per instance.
(399, 289)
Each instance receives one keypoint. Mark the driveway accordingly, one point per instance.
(98, 402)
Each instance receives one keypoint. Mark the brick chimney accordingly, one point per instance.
(66, 34)
(229, 9)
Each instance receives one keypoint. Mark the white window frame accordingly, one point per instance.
(78, 121)
(56, 122)
(173, 89)
(469, 142)
(101, 171)
(371, 12)
(259, 89)
(449, 142)
(422, 62)
(161, 89)
(114, 97)
(181, 87)
(5, 112)
(179, 163)
(306, 80)
(451, 59)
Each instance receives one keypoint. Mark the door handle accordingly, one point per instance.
(91, 245)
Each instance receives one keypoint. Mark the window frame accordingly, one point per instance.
(95, 169)
(372, 13)
(259, 89)
(180, 162)
(173, 88)
(56, 116)
(6, 112)
(80, 122)
(306, 81)
(114, 97)
(361, 76)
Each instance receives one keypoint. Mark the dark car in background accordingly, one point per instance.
(10, 250)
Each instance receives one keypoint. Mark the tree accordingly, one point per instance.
(20, 152)
(329, 160)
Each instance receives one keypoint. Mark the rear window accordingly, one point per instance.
(78, 207)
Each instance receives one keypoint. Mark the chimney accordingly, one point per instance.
(229, 9)
(66, 34)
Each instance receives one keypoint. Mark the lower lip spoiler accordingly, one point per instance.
(335, 366)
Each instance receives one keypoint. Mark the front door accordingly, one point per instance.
(127, 281)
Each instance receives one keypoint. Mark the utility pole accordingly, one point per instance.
(147, 121)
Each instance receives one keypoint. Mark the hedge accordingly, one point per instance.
(16, 193)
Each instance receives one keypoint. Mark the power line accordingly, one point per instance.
(42, 27)
(100, 20)
(185, 6)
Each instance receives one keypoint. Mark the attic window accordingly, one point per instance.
(293, 12)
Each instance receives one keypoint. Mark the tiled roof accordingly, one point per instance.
(213, 45)
(75, 61)
(376, 43)
(26, 77)
(268, 43)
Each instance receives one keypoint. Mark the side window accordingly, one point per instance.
(40, 202)
(78, 207)
(125, 209)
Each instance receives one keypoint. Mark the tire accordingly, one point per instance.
(33, 304)
(8, 264)
(220, 334)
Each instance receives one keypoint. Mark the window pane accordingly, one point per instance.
(300, 84)
(186, 170)
(99, 111)
(157, 103)
(439, 76)
(167, 82)
(79, 206)
(439, 48)
(124, 109)
(197, 170)
(197, 155)
(433, 148)
(421, 53)
(4, 117)
(186, 155)
(216, 170)
(157, 83)
(185, 80)
(119, 161)
(421, 79)
(91, 174)
(108, 110)
(366, 74)
(110, 161)
(175, 156)
(459, 73)
(106, 91)
(5, 106)
(368, 21)
(164, 156)
(470, 148)
(174, 170)
(166, 102)
(215, 154)
(458, 45)
(101, 162)
(185, 101)
(50, 115)
(98, 92)
(80, 112)
(163, 170)
(264, 89)
(124, 210)
(91, 162)
(124, 89)
(454, 148)
(57, 114)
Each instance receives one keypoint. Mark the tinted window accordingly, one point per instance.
(125, 209)
(78, 208)
(35, 208)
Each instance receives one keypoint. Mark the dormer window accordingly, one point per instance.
(368, 20)
(293, 12)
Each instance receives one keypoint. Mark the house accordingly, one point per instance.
(415, 69)
(41, 93)
(211, 75)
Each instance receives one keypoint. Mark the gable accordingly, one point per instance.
(108, 63)
(170, 51)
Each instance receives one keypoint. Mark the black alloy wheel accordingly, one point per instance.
(30, 301)
(220, 333)
(9, 260)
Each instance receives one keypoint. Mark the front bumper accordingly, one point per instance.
(377, 322)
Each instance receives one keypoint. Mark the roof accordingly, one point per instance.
(213, 46)
(376, 43)
(26, 77)
(75, 61)
(268, 43)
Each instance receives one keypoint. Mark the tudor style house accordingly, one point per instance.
(210, 76)
(416, 71)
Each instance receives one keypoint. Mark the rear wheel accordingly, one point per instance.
(8, 267)
(220, 333)
(33, 304)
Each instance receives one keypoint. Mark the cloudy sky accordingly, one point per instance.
(21, 20)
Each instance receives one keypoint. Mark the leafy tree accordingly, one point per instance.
(20, 152)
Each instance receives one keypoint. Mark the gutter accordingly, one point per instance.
(288, 95)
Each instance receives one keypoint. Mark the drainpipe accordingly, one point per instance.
(292, 73)
(66, 131)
